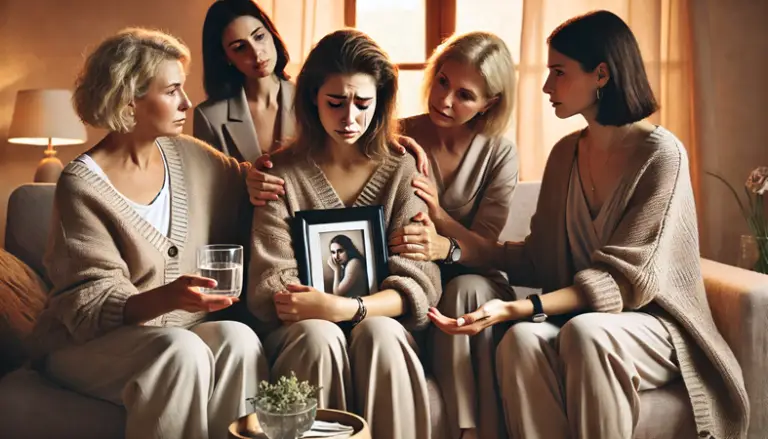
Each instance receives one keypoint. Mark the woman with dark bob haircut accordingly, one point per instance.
(614, 248)
(249, 107)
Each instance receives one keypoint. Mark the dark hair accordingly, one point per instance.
(602, 36)
(220, 79)
(345, 52)
(348, 246)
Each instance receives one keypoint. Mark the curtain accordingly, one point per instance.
(302, 23)
(662, 29)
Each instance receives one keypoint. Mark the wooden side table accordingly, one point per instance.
(248, 427)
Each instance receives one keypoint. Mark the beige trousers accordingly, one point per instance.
(582, 380)
(464, 366)
(376, 374)
(173, 382)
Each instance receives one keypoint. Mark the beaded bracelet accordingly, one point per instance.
(362, 311)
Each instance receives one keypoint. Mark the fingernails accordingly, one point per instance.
(460, 321)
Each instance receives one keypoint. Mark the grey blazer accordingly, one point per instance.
(227, 125)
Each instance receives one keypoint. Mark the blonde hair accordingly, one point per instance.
(488, 53)
(121, 70)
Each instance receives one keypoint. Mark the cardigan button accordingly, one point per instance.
(173, 251)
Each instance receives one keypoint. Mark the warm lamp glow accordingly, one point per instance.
(46, 118)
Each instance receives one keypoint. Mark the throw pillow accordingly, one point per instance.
(22, 298)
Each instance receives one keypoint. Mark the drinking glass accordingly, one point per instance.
(224, 264)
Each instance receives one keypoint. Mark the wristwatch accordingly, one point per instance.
(538, 310)
(454, 252)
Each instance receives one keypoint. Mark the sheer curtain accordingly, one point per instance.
(302, 23)
(662, 29)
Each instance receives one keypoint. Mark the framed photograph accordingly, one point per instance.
(341, 251)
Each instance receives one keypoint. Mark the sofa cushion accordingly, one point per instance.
(29, 219)
(31, 407)
(22, 297)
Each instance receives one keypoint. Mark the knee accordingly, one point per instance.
(182, 349)
(520, 344)
(381, 340)
(235, 337)
(379, 333)
(583, 338)
(314, 341)
(465, 294)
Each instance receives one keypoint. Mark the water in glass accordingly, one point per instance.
(224, 264)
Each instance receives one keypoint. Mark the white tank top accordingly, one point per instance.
(158, 212)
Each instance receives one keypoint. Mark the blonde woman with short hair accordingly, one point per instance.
(125, 320)
(469, 94)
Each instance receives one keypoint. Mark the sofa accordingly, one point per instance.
(33, 407)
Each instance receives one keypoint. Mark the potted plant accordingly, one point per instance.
(286, 409)
(754, 247)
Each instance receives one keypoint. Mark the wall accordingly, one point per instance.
(731, 43)
(42, 44)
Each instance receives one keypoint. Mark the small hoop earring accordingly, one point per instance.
(599, 93)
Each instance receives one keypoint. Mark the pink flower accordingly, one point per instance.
(757, 182)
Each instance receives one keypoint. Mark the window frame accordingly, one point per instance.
(440, 24)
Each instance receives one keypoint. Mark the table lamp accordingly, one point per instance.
(46, 117)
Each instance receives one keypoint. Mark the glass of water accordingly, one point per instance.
(224, 264)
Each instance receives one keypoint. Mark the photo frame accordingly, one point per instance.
(341, 251)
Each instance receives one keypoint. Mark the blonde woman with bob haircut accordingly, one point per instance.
(469, 94)
(125, 320)
(359, 349)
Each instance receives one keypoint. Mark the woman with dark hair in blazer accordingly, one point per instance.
(249, 108)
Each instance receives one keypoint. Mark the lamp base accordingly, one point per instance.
(48, 170)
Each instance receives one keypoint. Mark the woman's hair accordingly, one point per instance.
(348, 246)
(222, 80)
(119, 71)
(490, 56)
(601, 36)
(346, 52)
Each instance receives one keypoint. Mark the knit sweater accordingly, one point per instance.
(273, 263)
(650, 262)
(101, 252)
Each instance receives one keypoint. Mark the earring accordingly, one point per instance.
(599, 93)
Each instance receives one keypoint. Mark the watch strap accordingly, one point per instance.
(449, 258)
(538, 310)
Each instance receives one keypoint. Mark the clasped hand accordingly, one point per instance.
(300, 302)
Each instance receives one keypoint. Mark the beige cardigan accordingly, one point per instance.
(273, 264)
(651, 261)
(101, 252)
(227, 124)
(480, 195)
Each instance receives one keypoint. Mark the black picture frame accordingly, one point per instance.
(308, 223)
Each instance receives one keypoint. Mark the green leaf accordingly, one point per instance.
(284, 395)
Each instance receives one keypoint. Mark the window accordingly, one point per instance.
(410, 30)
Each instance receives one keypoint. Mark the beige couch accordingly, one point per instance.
(33, 407)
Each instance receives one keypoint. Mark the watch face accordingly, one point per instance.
(456, 255)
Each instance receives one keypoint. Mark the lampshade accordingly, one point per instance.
(43, 117)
